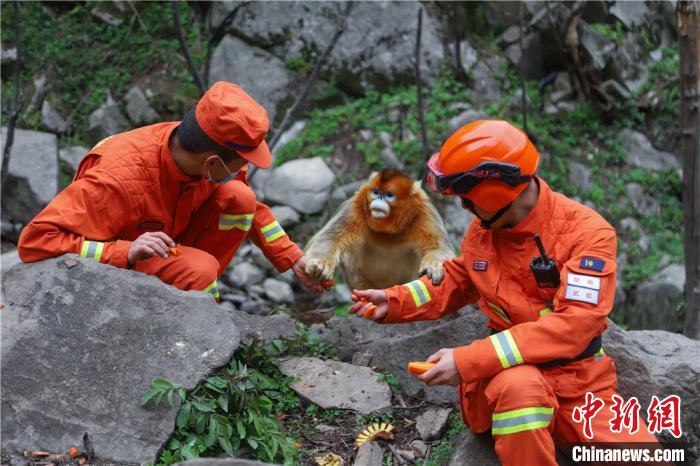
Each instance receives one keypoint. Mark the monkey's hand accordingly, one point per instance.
(319, 269)
(433, 269)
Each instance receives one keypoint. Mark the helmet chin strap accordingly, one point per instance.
(485, 223)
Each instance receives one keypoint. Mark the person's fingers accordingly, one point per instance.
(364, 307)
(168, 241)
(436, 357)
(144, 251)
(158, 246)
(429, 375)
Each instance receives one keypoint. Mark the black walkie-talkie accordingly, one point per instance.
(544, 268)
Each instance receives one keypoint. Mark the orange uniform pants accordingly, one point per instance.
(209, 242)
(527, 419)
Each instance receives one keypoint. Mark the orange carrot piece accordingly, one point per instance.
(417, 368)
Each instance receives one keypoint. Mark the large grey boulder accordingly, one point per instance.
(334, 384)
(656, 300)
(641, 154)
(661, 363)
(82, 343)
(258, 72)
(33, 174)
(392, 347)
(7, 260)
(106, 121)
(376, 48)
(303, 184)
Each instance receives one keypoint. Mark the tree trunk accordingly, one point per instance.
(689, 37)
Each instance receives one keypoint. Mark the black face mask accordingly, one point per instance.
(485, 223)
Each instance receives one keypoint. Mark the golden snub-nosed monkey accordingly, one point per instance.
(386, 234)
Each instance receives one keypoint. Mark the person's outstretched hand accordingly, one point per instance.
(365, 299)
(299, 270)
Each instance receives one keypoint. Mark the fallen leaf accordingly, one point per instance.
(73, 452)
(81, 461)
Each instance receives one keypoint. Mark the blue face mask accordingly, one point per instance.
(225, 179)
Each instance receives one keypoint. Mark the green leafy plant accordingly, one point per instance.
(242, 405)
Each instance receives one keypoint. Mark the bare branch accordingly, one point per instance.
(14, 105)
(310, 80)
(425, 143)
(523, 98)
(185, 50)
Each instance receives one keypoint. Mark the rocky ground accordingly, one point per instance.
(103, 335)
(63, 324)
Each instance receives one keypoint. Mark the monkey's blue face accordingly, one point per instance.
(380, 206)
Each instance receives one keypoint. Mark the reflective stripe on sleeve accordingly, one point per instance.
(240, 221)
(518, 420)
(92, 250)
(419, 292)
(272, 231)
(506, 349)
(212, 290)
(545, 311)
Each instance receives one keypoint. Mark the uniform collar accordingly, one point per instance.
(172, 171)
(538, 217)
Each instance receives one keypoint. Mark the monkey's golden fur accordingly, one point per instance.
(381, 252)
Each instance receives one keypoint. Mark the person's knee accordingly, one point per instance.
(200, 270)
(519, 386)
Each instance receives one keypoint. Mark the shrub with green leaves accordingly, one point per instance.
(240, 406)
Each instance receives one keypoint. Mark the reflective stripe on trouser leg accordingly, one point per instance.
(419, 292)
(507, 350)
(212, 290)
(92, 250)
(239, 221)
(272, 231)
(519, 420)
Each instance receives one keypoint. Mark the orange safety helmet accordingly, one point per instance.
(490, 162)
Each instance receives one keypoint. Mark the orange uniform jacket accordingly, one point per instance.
(126, 185)
(532, 325)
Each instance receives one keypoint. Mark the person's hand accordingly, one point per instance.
(364, 299)
(150, 244)
(445, 371)
(299, 270)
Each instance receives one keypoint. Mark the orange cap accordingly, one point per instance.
(489, 141)
(233, 119)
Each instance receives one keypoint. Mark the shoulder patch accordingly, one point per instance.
(591, 263)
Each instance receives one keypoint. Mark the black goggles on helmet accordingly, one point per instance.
(462, 183)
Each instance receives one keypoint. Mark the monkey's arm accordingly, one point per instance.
(433, 244)
(421, 300)
(326, 247)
